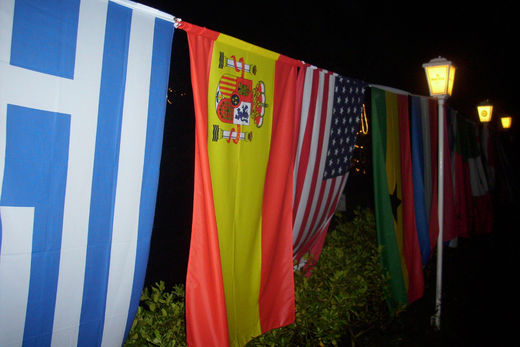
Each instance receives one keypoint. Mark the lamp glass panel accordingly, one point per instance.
(451, 79)
(506, 122)
(485, 112)
(437, 79)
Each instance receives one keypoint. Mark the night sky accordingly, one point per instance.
(379, 44)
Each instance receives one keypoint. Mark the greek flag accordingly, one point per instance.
(83, 88)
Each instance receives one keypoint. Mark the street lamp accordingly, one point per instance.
(485, 111)
(440, 74)
(506, 122)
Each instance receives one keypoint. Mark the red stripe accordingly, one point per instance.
(229, 78)
(333, 193)
(411, 250)
(321, 225)
(276, 296)
(316, 245)
(206, 319)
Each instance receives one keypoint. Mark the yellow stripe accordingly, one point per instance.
(393, 171)
(238, 174)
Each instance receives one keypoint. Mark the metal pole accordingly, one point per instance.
(436, 319)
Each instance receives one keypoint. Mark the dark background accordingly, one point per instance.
(380, 44)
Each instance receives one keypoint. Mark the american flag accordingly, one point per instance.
(330, 115)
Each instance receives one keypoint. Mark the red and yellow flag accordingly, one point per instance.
(240, 273)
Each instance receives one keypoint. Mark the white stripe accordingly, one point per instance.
(6, 27)
(311, 163)
(307, 89)
(130, 172)
(15, 271)
(82, 102)
(390, 89)
(477, 177)
(143, 8)
(3, 139)
(37, 90)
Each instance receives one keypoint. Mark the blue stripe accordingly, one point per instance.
(418, 180)
(37, 149)
(162, 44)
(104, 181)
(50, 28)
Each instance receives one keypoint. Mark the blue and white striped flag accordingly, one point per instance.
(83, 87)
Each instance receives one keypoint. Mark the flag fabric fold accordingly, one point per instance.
(419, 177)
(82, 107)
(479, 207)
(240, 282)
(462, 188)
(411, 249)
(329, 121)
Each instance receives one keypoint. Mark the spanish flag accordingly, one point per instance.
(240, 272)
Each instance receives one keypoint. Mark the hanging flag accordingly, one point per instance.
(394, 202)
(82, 107)
(240, 273)
(330, 117)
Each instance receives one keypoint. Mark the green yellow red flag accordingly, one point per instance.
(240, 273)
(394, 196)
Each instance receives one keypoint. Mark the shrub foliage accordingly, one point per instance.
(338, 300)
(160, 319)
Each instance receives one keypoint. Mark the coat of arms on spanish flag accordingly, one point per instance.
(240, 271)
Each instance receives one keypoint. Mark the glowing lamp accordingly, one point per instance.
(506, 122)
(485, 111)
(440, 74)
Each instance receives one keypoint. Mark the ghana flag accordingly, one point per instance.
(394, 197)
(240, 272)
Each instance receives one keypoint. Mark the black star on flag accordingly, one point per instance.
(395, 202)
(346, 112)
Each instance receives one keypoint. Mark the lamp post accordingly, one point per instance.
(440, 74)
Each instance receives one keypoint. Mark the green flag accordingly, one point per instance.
(387, 194)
